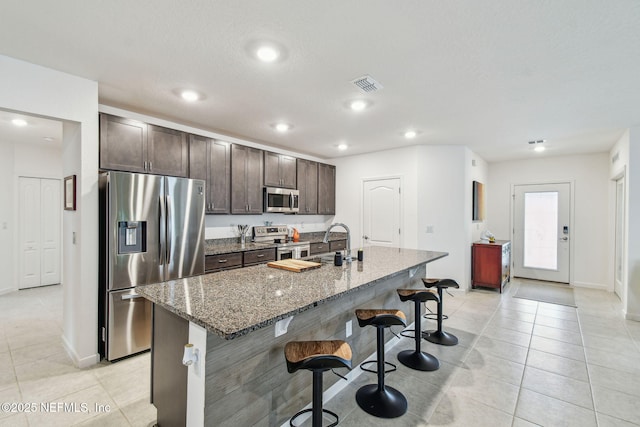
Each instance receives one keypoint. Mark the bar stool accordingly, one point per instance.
(439, 336)
(418, 359)
(377, 399)
(317, 356)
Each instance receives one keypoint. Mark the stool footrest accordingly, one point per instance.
(405, 333)
(434, 316)
(326, 411)
(376, 371)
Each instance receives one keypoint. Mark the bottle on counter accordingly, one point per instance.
(337, 259)
(360, 254)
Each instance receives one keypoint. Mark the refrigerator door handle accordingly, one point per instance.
(169, 226)
(161, 228)
(131, 296)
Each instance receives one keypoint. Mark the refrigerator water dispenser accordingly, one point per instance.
(132, 237)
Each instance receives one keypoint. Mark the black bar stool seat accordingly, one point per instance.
(439, 336)
(317, 356)
(377, 399)
(417, 359)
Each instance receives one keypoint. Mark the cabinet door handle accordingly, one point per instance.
(150, 166)
(222, 261)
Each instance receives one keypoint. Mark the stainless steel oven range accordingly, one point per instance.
(279, 235)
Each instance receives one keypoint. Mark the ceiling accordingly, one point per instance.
(489, 74)
(33, 133)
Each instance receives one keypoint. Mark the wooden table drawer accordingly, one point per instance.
(259, 256)
(222, 261)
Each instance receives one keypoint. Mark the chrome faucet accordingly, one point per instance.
(326, 238)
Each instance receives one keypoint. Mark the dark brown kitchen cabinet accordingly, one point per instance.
(326, 189)
(167, 152)
(213, 263)
(308, 186)
(246, 180)
(123, 144)
(490, 264)
(337, 245)
(258, 257)
(279, 170)
(133, 146)
(210, 160)
(319, 248)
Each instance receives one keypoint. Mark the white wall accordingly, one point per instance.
(19, 159)
(37, 90)
(350, 172)
(619, 162)
(6, 217)
(590, 235)
(627, 150)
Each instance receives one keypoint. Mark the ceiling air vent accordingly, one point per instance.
(367, 84)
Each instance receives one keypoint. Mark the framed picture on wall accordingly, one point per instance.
(70, 193)
(478, 201)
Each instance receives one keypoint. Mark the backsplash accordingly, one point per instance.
(225, 226)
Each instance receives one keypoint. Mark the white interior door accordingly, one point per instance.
(50, 208)
(541, 235)
(381, 212)
(39, 231)
(620, 233)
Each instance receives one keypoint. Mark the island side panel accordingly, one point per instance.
(247, 382)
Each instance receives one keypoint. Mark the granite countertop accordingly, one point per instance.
(224, 246)
(233, 303)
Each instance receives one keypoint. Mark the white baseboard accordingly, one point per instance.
(588, 285)
(631, 316)
(81, 363)
(7, 291)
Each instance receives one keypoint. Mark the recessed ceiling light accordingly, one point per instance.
(342, 147)
(282, 127)
(410, 134)
(358, 105)
(19, 122)
(539, 148)
(49, 138)
(267, 53)
(190, 95)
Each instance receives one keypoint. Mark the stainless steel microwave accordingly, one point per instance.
(284, 200)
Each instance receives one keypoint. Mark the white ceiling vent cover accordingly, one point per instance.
(367, 84)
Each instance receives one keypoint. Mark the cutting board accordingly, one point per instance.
(296, 265)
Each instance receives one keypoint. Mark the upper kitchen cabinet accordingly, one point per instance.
(210, 160)
(326, 189)
(167, 152)
(308, 186)
(123, 144)
(279, 170)
(246, 180)
(133, 146)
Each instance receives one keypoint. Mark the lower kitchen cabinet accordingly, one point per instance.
(258, 257)
(490, 264)
(337, 245)
(220, 262)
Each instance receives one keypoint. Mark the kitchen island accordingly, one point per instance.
(232, 318)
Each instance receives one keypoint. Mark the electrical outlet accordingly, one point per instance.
(429, 228)
(282, 326)
(73, 237)
(349, 329)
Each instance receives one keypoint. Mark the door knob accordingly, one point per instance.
(565, 238)
(365, 237)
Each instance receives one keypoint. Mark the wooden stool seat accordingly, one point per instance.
(420, 295)
(380, 316)
(317, 354)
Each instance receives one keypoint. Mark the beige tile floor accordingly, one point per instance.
(34, 368)
(519, 363)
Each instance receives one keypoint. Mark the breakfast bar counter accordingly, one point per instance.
(234, 318)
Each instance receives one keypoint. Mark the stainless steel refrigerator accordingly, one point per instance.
(151, 230)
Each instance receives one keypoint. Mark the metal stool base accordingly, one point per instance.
(440, 337)
(385, 403)
(326, 411)
(418, 360)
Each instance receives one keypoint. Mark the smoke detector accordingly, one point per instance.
(367, 84)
